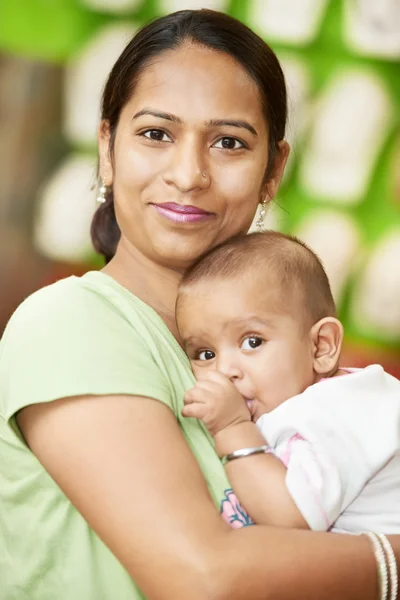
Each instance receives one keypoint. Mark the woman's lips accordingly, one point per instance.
(180, 213)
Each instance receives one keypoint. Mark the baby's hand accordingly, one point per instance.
(217, 402)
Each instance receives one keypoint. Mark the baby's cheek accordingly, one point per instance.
(200, 373)
(196, 370)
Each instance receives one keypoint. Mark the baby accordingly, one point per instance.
(305, 442)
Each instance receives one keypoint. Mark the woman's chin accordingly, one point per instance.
(178, 247)
(181, 251)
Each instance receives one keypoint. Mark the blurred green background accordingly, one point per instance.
(342, 63)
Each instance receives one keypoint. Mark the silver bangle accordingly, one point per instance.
(392, 564)
(244, 452)
(383, 575)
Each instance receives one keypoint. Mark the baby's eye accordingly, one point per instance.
(229, 143)
(156, 135)
(250, 343)
(205, 355)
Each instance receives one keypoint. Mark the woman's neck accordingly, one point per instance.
(154, 284)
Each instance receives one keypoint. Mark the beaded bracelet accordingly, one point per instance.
(391, 562)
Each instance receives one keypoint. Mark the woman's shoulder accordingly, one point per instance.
(43, 305)
(81, 318)
(93, 298)
(92, 319)
(77, 336)
(54, 299)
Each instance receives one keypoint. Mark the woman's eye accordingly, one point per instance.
(251, 343)
(229, 143)
(205, 355)
(156, 135)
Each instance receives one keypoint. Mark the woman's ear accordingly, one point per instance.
(105, 163)
(327, 338)
(271, 186)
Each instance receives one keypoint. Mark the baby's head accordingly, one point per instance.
(259, 309)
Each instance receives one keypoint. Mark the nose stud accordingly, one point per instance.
(204, 174)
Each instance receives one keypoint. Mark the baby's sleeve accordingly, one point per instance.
(313, 480)
(324, 438)
(67, 341)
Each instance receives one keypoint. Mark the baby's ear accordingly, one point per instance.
(327, 338)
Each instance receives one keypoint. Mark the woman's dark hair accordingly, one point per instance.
(209, 29)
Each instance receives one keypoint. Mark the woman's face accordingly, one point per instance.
(190, 155)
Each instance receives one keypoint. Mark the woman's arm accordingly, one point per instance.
(125, 465)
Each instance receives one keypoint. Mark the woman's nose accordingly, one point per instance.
(187, 169)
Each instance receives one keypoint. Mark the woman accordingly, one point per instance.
(101, 494)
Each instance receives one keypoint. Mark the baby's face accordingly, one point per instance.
(243, 330)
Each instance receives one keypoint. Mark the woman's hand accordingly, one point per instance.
(216, 401)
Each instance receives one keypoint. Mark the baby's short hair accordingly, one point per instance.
(292, 264)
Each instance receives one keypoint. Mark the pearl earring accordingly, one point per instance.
(101, 198)
(261, 216)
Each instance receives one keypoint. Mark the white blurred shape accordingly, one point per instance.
(352, 122)
(376, 299)
(372, 27)
(65, 210)
(169, 6)
(334, 237)
(85, 77)
(297, 79)
(290, 21)
(113, 6)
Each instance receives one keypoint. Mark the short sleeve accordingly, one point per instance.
(312, 480)
(66, 340)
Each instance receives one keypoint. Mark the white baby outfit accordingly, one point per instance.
(340, 442)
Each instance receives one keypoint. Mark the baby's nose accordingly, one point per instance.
(230, 369)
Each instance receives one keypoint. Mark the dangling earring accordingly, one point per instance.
(101, 197)
(261, 216)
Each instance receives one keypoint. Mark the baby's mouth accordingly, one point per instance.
(250, 405)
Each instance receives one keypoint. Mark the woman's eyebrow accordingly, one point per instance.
(211, 123)
(157, 113)
(232, 123)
